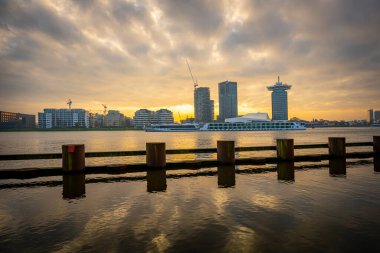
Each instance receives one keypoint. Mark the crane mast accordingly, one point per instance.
(105, 109)
(195, 82)
(69, 102)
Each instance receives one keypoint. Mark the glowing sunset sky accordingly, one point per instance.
(132, 54)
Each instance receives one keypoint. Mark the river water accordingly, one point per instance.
(51, 142)
(329, 206)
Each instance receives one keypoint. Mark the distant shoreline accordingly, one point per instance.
(69, 129)
(131, 129)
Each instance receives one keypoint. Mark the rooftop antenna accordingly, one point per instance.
(105, 109)
(69, 102)
(192, 77)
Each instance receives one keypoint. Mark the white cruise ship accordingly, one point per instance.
(187, 127)
(253, 122)
(249, 122)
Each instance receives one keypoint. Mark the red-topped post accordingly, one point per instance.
(73, 157)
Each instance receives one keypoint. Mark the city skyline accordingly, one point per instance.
(132, 55)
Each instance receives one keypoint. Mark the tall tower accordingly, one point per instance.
(279, 100)
(370, 111)
(228, 103)
(203, 106)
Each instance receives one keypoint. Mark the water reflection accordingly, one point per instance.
(337, 167)
(74, 186)
(156, 180)
(226, 176)
(285, 171)
(376, 163)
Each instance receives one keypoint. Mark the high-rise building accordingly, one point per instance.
(279, 100)
(370, 111)
(63, 118)
(203, 106)
(17, 120)
(145, 117)
(114, 119)
(376, 115)
(228, 102)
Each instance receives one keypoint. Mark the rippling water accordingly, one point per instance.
(51, 142)
(316, 208)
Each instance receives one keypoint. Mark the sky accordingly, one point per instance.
(132, 54)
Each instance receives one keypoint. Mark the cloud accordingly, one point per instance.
(132, 54)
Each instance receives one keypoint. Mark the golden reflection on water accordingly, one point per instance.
(266, 201)
(220, 198)
(101, 223)
(241, 239)
(161, 243)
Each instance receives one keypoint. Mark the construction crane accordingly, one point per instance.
(179, 115)
(69, 102)
(105, 109)
(192, 77)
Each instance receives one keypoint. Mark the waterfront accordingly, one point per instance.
(51, 142)
(284, 207)
(312, 212)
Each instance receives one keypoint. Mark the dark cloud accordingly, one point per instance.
(202, 17)
(89, 49)
(35, 17)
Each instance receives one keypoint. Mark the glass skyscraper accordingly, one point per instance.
(228, 104)
(203, 106)
(279, 100)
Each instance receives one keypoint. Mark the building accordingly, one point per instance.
(376, 116)
(370, 111)
(64, 118)
(114, 119)
(279, 100)
(188, 121)
(145, 117)
(164, 116)
(228, 102)
(16, 120)
(203, 105)
(96, 120)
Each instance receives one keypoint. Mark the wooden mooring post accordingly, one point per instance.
(226, 152)
(285, 149)
(74, 186)
(73, 158)
(155, 155)
(226, 176)
(156, 180)
(337, 147)
(376, 145)
(285, 171)
(337, 166)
